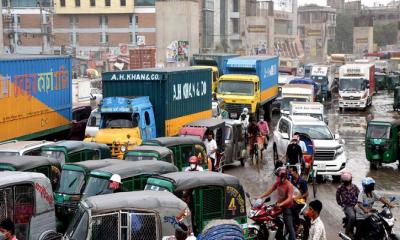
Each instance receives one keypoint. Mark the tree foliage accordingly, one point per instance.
(385, 34)
(344, 34)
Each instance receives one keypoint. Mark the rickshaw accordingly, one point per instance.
(76, 151)
(382, 141)
(201, 128)
(234, 142)
(396, 98)
(183, 148)
(381, 82)
(27, 199)
(209, 195)
(150, 153)
(133, 175)
(145, 215)
(74, 177)
(50, 167)
(309, 173)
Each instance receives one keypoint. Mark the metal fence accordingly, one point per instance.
(125, 225)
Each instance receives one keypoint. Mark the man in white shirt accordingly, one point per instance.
(211, 147)
(317, 230)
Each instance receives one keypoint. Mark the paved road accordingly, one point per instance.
(351, 126)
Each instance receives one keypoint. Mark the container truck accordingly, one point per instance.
(356, 85)
(35, 97)
(324, 75)
(212, 59)
(249, 82)
(147, 103)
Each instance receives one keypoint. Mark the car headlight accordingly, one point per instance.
(340, 150)
(123, 148)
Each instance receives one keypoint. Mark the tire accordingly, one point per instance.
(336, 179)
(241, 162)
(319, 178)
(257, 235)
(373, 165)
(340, 109)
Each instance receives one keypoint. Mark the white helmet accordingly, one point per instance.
(245, 110)
(115, 178)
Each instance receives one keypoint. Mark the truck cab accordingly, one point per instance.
(124, 123)
(215, 75)
(324, 75)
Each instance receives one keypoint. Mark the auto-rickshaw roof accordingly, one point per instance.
(162, 151)
(210, 123)
(152, 200)
(133, 168)
(188, 180)
(22, 163)
(173, 141)
(94, 164)
(8, 178)
(395, 122)
(74, 146)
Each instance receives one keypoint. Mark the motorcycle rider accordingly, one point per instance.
(346, 197)
(284, 199)
(301, 198)
(194, 165)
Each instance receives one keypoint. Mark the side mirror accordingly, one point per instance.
(285, 136)
(326, 121)
(337, 137)
(247, 195)
(267, 199)
(392, 199)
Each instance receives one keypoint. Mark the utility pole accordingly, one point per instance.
(1, 29)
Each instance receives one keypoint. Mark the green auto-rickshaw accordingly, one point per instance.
(380, 81)
(209, 195)
(393, 81)
(133, 174)
(145, 215)
(74, 177)
(140, 153)
(396, 98)
(75, 151)
(183, 148)
(382, 141)
(50, 167)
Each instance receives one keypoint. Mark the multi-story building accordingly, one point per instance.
(316, 27)
(336, 4)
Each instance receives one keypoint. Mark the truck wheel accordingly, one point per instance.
(373, 165)
(340, 109)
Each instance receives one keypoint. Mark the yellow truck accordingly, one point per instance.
(249, 82)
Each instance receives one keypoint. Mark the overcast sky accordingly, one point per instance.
(323, 2)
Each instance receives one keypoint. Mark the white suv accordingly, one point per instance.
(329, 157)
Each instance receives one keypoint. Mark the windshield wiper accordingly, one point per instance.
(72, 183)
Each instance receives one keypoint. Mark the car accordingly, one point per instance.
(330, 156)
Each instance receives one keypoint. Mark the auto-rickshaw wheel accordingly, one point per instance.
(241, 162)
(373, 165)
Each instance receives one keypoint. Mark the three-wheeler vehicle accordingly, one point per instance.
(74, 178)
(234, 142)
(145, 215)
(140, 153)
(381, 81)
(382, 141)
(183, 148)
(50, 167)
(133, 175)
(75, 151)
(27, 199)
(209, 195)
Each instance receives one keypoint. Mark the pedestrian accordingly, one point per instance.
(223, 113)
(317, 230)
(7, 230)
(346, 197)
(211, 147)
(284, 191)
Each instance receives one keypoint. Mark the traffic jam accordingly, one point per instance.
(232, 147)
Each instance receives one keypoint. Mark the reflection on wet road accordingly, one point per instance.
(351, 126)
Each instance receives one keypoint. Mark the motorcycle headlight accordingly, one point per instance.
(123, 148)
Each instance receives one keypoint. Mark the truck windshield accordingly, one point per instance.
(97, 186)
(236, 88)
(119, 120)
(353, 84)
(315, 132)
(71, 182)
(285, 104)
(378, 131)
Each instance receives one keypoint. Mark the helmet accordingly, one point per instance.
(280, 171)
(245, 110)
(115, 178)
(193, 159)
(368, 181)
(346, 176)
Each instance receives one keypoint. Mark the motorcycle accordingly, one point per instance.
(268, 222)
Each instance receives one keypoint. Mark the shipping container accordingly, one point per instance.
(35, 96)
(213, 59)
(142, 58)
(178, 95)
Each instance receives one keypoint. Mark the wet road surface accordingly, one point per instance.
(351, 126)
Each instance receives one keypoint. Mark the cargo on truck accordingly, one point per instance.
(161, 101)
(249, 82)
(297, 93)
(35, 98)
(356, 85)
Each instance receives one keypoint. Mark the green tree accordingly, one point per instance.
(344, 34)
(385, 34)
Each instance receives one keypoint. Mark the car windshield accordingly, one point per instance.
(8, 154)
(314, 115)
(119, 120)
(59, 155)
(71, 182)
(285, 103)
(355, 84)
(320, 132)
(78, 227)
(378, 131)
(236, 88)
(97, 186)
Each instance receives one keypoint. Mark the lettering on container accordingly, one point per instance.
(135, 76)
(30, 84)
(189, 90)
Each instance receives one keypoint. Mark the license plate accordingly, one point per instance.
(233, 115)
(321, 166)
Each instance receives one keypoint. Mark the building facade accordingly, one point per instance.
(336, 4)
(316, 27)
